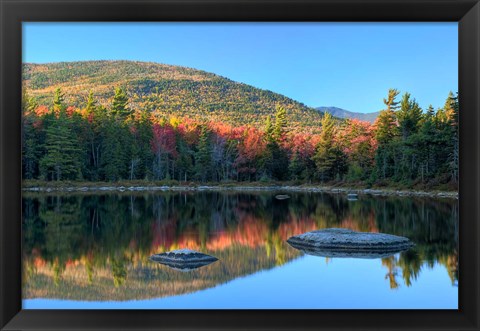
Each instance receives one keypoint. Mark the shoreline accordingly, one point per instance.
(239, 188)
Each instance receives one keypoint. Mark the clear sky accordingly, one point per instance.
(347, 65)
(305, 283)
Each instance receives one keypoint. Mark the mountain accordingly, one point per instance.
(342, 113)
(165, 90)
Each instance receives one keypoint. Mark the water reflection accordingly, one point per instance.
(97, 247)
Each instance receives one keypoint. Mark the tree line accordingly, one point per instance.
(405, 145)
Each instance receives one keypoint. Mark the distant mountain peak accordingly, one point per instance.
(342, 113)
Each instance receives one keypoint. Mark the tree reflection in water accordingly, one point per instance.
(96, 247)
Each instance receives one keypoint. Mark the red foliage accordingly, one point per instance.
(42, 110)
(70, 110)
(251, 146)
(164, 141)
(302, 145)
(357, 140)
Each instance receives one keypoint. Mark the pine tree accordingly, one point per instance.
(269, 135)
(30, 143)
(120, 104)
(451, 109)
(425, 145)
(280, 123)
(329, 159)
(115, 154)
(62, 153)
(385, 125)
(275, 160)
(141, 153)
(91, 104)
(390, 101)
(385, 132)
(409, 116)
(203, 157)
(296, 167)
(58, 101)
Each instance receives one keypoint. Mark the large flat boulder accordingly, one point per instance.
(347, 243)
(183, 259)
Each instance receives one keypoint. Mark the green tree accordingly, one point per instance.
(329, 158)
(280, 123)
(274, 160)
(451, 109)
(390, 101)
(58, 100)
(425, 145)
(115, 155)
(120, 104)
(91, 103)
(385, 133)
(62, 159)
(30, 138)
(269, 135)
(203, 156)
(141, 156)
(408, 116)
(93, 126)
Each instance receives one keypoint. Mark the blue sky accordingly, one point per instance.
(347, 65)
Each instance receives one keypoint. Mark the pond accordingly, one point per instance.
(91, 251)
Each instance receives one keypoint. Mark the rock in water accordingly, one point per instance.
(347, 243)
(282, 197)
(183, 259)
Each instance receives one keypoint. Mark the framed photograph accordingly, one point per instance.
(240, 165)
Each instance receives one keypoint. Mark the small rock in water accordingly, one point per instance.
(347, 243)
(183, 259)
(282, 197)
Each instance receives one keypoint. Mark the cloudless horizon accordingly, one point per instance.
(346, 65)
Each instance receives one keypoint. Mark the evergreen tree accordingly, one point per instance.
(58, 101)
(184, 164)
(425, 145)
(141, 154)
(91, 104)
(120, 104)
(390, 101)
(409, 116)
(62, 153)
(275, 161)
(385, 132)
(269, 135)
(329, 159)
(115, 154)
(280, 123)
(203, 156)
(386, 122)
(296, 167)
(30, 138)
(451, 109)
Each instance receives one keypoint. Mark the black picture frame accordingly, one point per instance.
(14, 12)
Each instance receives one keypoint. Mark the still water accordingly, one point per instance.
(92, 251)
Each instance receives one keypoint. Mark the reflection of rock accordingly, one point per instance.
(347, 243)
(282, 197)
(352, 197)
(183, 259)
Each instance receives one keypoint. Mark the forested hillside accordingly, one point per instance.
(106, 138)
(163, 90)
